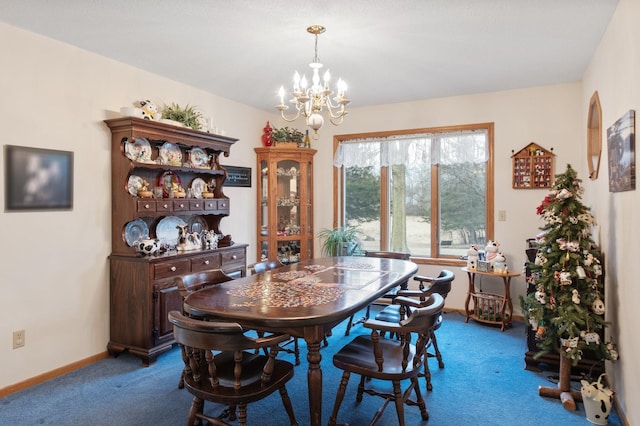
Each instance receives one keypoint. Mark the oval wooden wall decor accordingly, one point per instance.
(594, 136)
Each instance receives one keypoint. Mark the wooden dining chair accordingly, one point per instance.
(219, 368)
(189, 283)
(427, 286)
(266, 265)
(387, 298)
(390, 360)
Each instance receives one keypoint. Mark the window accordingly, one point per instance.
(428, 192)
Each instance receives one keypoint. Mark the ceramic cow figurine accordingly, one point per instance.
(188, 241)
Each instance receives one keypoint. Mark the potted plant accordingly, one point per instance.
(285, 134)
(341, 241)
(186, 115)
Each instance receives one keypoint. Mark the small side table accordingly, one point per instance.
(487, 307)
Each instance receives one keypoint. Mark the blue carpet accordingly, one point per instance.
(483, 383)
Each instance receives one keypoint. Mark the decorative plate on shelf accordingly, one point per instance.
(170, 154)
(167, 231)
(136, 230)
(197, 224)
(199, 158)
(198, 186)
(134, 184)
(165, 180)
(138, 150)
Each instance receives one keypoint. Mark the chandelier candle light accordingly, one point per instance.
(309, 101)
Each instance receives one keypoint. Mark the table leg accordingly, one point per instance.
(469, 291)
(507, 303)
(314, 380)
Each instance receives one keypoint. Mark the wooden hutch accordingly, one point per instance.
(142, 289)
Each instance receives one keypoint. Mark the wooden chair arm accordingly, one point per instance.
(414, 293)
(424, 279)
(408, 301)
(271, 340)
(204, 326)
(382, 325)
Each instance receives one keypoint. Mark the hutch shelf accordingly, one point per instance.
(285, 203)
(142, 289)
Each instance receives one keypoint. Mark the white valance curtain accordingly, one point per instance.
(426, 148)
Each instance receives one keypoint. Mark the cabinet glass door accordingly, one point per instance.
(288, 210)
(264, 210)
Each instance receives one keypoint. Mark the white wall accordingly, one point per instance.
(614, 72)
(54, 281)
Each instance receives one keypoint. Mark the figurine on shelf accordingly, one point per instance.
(147, 246)
(149, 110)
(266, 136)
(472, 257)
(500, 264)
(491, 251)
(143, 191)
(210, 239)
(177, 190)
(188, 241)
(206, 193)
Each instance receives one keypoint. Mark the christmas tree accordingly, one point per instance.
(567, 308)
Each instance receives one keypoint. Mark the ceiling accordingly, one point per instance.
(386, 51)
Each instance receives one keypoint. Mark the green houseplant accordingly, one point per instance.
(285, 134)
(186, 115)
(341, 241)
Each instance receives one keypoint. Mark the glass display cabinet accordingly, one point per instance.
(285, 203)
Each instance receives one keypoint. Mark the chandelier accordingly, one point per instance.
(310, 101)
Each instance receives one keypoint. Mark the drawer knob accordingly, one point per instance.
(206, 262)
(197, 205)
(146, 206)
(173, 269)
(166, 206)
(181, 206)
(223, 205)
(234, 257)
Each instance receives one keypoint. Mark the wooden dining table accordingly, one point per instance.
(305, 300)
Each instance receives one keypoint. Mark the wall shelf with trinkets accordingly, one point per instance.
(533, 167)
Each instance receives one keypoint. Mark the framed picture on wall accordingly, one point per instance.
(622, 153)
(238, 176)
(38, 179)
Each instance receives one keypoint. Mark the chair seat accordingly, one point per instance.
(251, 388)
(357, 357)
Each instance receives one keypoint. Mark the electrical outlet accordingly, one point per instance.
(18, 339)
(502, 215)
